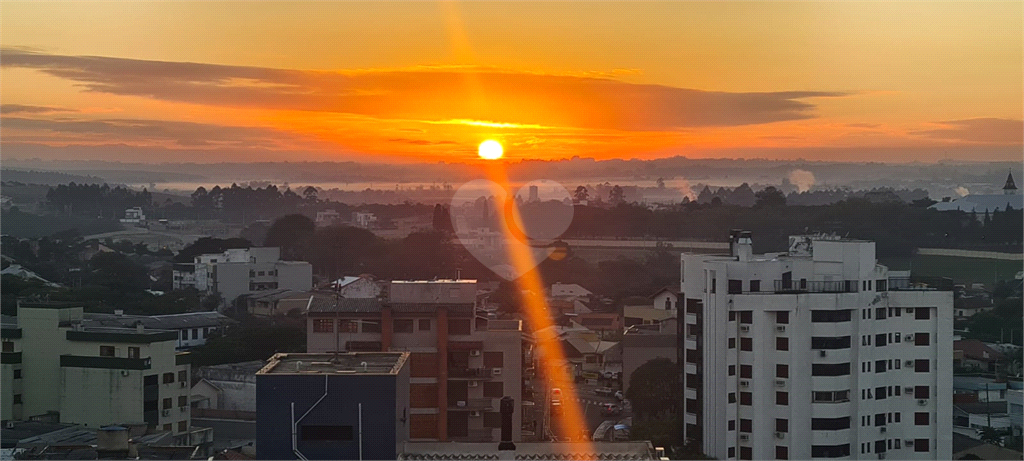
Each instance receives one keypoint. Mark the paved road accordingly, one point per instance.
(590, 404)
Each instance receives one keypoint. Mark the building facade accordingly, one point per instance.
(243, 271)
(94, 376)
(461, 363)
(813, 353)
(324, 406)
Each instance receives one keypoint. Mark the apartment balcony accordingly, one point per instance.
(469, 373)
(815, 286)
(476, 435)
(471, 404)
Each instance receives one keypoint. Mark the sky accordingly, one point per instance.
(429, 81)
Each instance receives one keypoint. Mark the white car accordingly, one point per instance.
(618, 395)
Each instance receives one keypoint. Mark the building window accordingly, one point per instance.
(921, 445)
(17, 399)
(184, 335)
(831, 396)
(830, 424)
(897, 414)
(732, 370)
(167, 427)
(403, 325)
(424, 324)
(922, 419)
(735, 287)
(494, 359)
(782, 317)
(182, 426)
(458, 327)
(732, 343)
(732, 316)
(347, 326)
(755, 286)
(714, 282)
(830, 451)
(323, 325)
(922, 366)
(746, 344)
(746, 398)
(880, 392)
(830, 316)
(746, 317)
(746, 425)
(746, 371)
(826, 342)
(17, 373)
(879, 366)
(732, 452)
(133, 352)
(921, 339)
(746, 453)
(732, 397)
(879, 313)
(107, 351)
(183, 401)
(732, 424)
(168, 403)
(781, 371)
(195, 333)
(781, 425)
(830, 369)
(326, 433)
(183, 376)
(922, 313)
(370, 326)
(494, 390)
(880, 340)
(168, 378)
(782, 398)
(782, 343)
(8, 346)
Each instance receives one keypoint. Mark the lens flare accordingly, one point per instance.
(491, 150)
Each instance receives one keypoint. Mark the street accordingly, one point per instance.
(590, 405)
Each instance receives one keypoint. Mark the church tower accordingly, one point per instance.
(1010, 188)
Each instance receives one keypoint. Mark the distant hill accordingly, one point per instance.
(49, 178)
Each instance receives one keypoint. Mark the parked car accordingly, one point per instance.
(610, 409)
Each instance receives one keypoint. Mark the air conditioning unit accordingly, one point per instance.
(910, 310)
(881, 429)
(780, 383)
(822, 353)
(908, 390)
(908, 363)
(909, 442)
(474, 353)
(460, 403)
(496, 371)
(744, 328)
(182, 384)
(881, 456)
(166, 412)
(780, 328)
(183, 409)
(475, 414)
(744, 383)
(909, 337)
(474, 384)
(10, 425)
(922, 402)
(125, 372)
(744, 437)
(780, 435)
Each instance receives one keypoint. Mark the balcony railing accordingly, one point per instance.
(814, 286)
(469, 373)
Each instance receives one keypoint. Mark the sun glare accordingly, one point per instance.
(491, 150)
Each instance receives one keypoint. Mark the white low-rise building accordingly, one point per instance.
(242, 271)
(813, 353)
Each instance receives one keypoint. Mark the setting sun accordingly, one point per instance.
(491, 150)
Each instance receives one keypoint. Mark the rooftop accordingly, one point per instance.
(159, 322)
(529, 451)
(434, 281)
(377, 363)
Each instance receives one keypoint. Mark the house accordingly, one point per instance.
(243, 271)
(192, 328)
(327, 218)
(980, 415)
(16, 270)
(278, 302)
(642, 344)
(982, 203)
(134, 216)
(568, 290)
(972, 353)
(225, 391)
(982, 389)
(363, 286)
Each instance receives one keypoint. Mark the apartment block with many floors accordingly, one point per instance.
(461, 363)
(814, 353)
(94, 376)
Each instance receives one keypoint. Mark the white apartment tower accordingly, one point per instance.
(818, 352)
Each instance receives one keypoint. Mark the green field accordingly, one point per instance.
(961, 270)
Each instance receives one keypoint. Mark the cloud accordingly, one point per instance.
(142, 131)
(428, 93)
(978, 130)
(863, 125)
(420, 142)
(21, 108)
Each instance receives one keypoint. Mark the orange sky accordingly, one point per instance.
(205, 82)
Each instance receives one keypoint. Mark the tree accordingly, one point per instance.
(661, 183)
(290, 233)
(616, 195)
(310, 194)
(770, 197)
(580, 195)
(654, 389)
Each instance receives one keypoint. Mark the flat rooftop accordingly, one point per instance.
(435, 281)
(372, 363)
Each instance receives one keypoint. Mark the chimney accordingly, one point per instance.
(139, 328)
(734, 235)
(744, 246)
(508, 405)
(118, 312)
